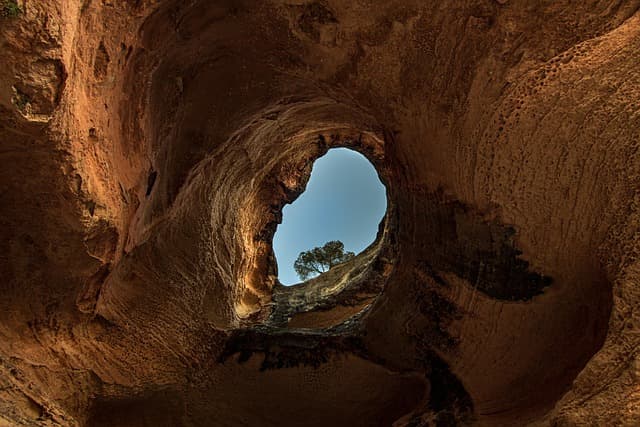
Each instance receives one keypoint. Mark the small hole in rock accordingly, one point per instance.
(150, 182)
(344, 201)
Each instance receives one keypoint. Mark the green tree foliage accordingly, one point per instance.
(321, 259)
(9, 8)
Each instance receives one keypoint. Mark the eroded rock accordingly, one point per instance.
(148, 148)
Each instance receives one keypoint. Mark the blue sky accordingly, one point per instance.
(344, 200)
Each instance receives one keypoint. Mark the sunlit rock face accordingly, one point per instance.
(148, 147)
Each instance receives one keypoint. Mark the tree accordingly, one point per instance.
(9, 9)
(320, 259)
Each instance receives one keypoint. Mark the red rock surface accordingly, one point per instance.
(147, 148)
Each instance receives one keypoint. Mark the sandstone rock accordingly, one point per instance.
(149, 146)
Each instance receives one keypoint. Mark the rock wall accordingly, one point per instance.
(148, 148)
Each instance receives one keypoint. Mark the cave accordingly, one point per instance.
(148, 148)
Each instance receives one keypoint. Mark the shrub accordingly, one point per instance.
(9, 8)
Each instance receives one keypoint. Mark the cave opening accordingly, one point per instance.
(344, 201)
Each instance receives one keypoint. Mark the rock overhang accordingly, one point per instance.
(175, 137)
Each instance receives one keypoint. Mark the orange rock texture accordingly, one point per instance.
(147, 148)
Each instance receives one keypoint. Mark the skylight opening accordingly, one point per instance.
(344, 201)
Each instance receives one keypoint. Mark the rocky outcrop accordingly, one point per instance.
(149, 146)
